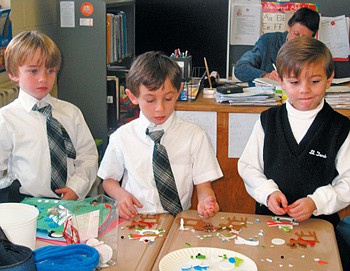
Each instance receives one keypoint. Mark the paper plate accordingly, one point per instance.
(181, 260)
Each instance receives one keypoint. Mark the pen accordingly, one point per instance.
(274, 66)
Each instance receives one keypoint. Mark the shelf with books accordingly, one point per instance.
(83, 77)
(120, 27)
(126, 110)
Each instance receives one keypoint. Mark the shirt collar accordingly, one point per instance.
(306, 114)
(145, 123)
(29, 101)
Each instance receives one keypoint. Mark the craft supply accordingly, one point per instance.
(71, 257)
(54, 213)
(182, 224)
(105, 251)
(277, 241)
(205, 258)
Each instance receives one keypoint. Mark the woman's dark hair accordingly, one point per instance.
(306, 17)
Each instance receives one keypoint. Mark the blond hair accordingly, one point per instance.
(23, 47)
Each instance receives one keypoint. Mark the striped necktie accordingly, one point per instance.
(163, 175)
(60, 145)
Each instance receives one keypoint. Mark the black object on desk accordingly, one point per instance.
(15, 257)
(229, 89)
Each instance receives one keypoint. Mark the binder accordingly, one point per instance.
(109, 42)
(112, 102)
(124, 38)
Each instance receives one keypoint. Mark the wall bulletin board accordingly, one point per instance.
(274, 21)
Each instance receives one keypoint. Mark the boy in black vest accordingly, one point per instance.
(297, 160)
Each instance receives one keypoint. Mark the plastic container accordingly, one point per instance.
(18, 222)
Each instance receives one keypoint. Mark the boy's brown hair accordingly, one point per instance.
(151, 69)
(23, 47)
(301, 51)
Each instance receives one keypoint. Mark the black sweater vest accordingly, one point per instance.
(299, 169)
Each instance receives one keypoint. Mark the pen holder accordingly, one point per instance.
(185, 64)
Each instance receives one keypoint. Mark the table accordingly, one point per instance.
(134, 254)
(266, 255)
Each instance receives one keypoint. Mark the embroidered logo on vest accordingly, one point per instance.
(318, 154)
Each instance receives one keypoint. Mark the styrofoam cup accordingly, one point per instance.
(19, 222)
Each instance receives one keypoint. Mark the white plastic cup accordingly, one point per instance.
(19, 222)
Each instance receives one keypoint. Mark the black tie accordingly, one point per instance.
(163, 175)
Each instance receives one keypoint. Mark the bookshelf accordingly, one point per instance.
(82, 79)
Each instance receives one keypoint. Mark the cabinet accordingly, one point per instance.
(82, 79)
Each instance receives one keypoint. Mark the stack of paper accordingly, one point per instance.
(266, 83)
(338, 97)
(250, 96)
(338, 81)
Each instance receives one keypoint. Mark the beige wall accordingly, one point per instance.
(31, 15)
(34, 14)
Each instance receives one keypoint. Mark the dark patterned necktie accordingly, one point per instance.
(60, 145)
(163, 175)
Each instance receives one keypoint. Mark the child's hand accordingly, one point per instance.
(302, 209)
(208, 207)
(277, 203)
(126, 202)
(67, 193)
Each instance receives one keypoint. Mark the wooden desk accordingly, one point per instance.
(133, 254)
(136, 255)
(267, 258)
(230, 190)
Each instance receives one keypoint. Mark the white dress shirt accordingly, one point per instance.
(24, 149)
(129, 158)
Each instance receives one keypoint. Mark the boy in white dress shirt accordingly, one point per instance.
(154, 83)
(32, 61)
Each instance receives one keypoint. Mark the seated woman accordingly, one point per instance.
(258, 62)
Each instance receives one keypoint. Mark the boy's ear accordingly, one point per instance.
(281, 82)
(131, 96)
(13, 77)
(330, 79)
(179, 90)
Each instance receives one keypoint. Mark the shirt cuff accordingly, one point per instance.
(265, 190)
